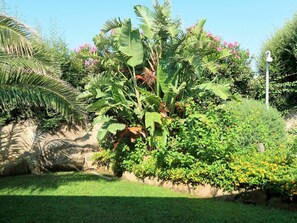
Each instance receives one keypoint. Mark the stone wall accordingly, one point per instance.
(25, 149)
(203, 191)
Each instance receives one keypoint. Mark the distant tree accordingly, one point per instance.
(283, 69)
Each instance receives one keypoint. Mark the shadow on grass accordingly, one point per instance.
(131, 209)
(50, 181)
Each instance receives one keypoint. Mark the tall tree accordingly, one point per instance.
(283, 69)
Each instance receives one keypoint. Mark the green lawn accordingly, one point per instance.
(77, 197)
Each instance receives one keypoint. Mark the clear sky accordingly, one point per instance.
(249, 22)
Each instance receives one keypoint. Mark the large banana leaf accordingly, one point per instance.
(130, 44)
(147, 19)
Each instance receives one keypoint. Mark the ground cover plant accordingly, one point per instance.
(78, 197)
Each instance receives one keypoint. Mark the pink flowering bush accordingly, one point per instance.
(232, 61)
(82, 63)
(224, 61)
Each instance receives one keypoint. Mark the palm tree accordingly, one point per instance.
(26, 75)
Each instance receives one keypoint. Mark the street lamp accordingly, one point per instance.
(268, 60)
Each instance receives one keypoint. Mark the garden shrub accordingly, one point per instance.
(218, 145)
(255, 124)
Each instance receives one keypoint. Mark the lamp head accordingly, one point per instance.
(268, 57)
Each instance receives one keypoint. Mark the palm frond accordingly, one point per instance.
(15, 37)
(38, 90)
(111, 24)
(25, 73)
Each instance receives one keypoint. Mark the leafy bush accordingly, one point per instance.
(218, 145)
(255, 124)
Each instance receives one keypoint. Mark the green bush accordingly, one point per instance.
(218, 145)
(255, 124)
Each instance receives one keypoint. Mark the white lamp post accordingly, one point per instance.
(268, 60)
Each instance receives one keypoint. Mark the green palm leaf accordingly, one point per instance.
(15, 37)
(111, 24)
(38, 90)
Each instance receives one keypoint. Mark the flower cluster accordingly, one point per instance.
(86, 48)
(216, 43)
(90, 62)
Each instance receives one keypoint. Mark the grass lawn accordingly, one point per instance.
(78, 197)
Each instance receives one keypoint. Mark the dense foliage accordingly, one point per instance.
(169, 101)
(283, 69)
(215, 146)
(160, 95)
(146, 77)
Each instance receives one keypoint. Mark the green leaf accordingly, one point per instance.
(118, 95)
(224, 53)
(97, 105)
(130, 44)
(114, 127)
(160, 138)
(203, 118)
(222, 91)
(111, 24)
(84, 95)
(102, 133)
(150, 98)
(100, 94)
(150, 119)
(147, 19)
(101, 119)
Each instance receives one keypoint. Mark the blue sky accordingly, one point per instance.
(249, 22)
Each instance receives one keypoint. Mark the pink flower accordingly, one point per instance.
(189, 28)
(219, 49)
(230, 45)
(209, 34)
(225, 43)
(93, 49)
(94, 62)
(217, 39)
(87, 63)
(235, 44)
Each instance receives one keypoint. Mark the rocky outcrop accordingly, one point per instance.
(25, 149)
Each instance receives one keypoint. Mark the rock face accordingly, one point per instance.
(25, 149)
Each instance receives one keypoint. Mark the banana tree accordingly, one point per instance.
(149, 73)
